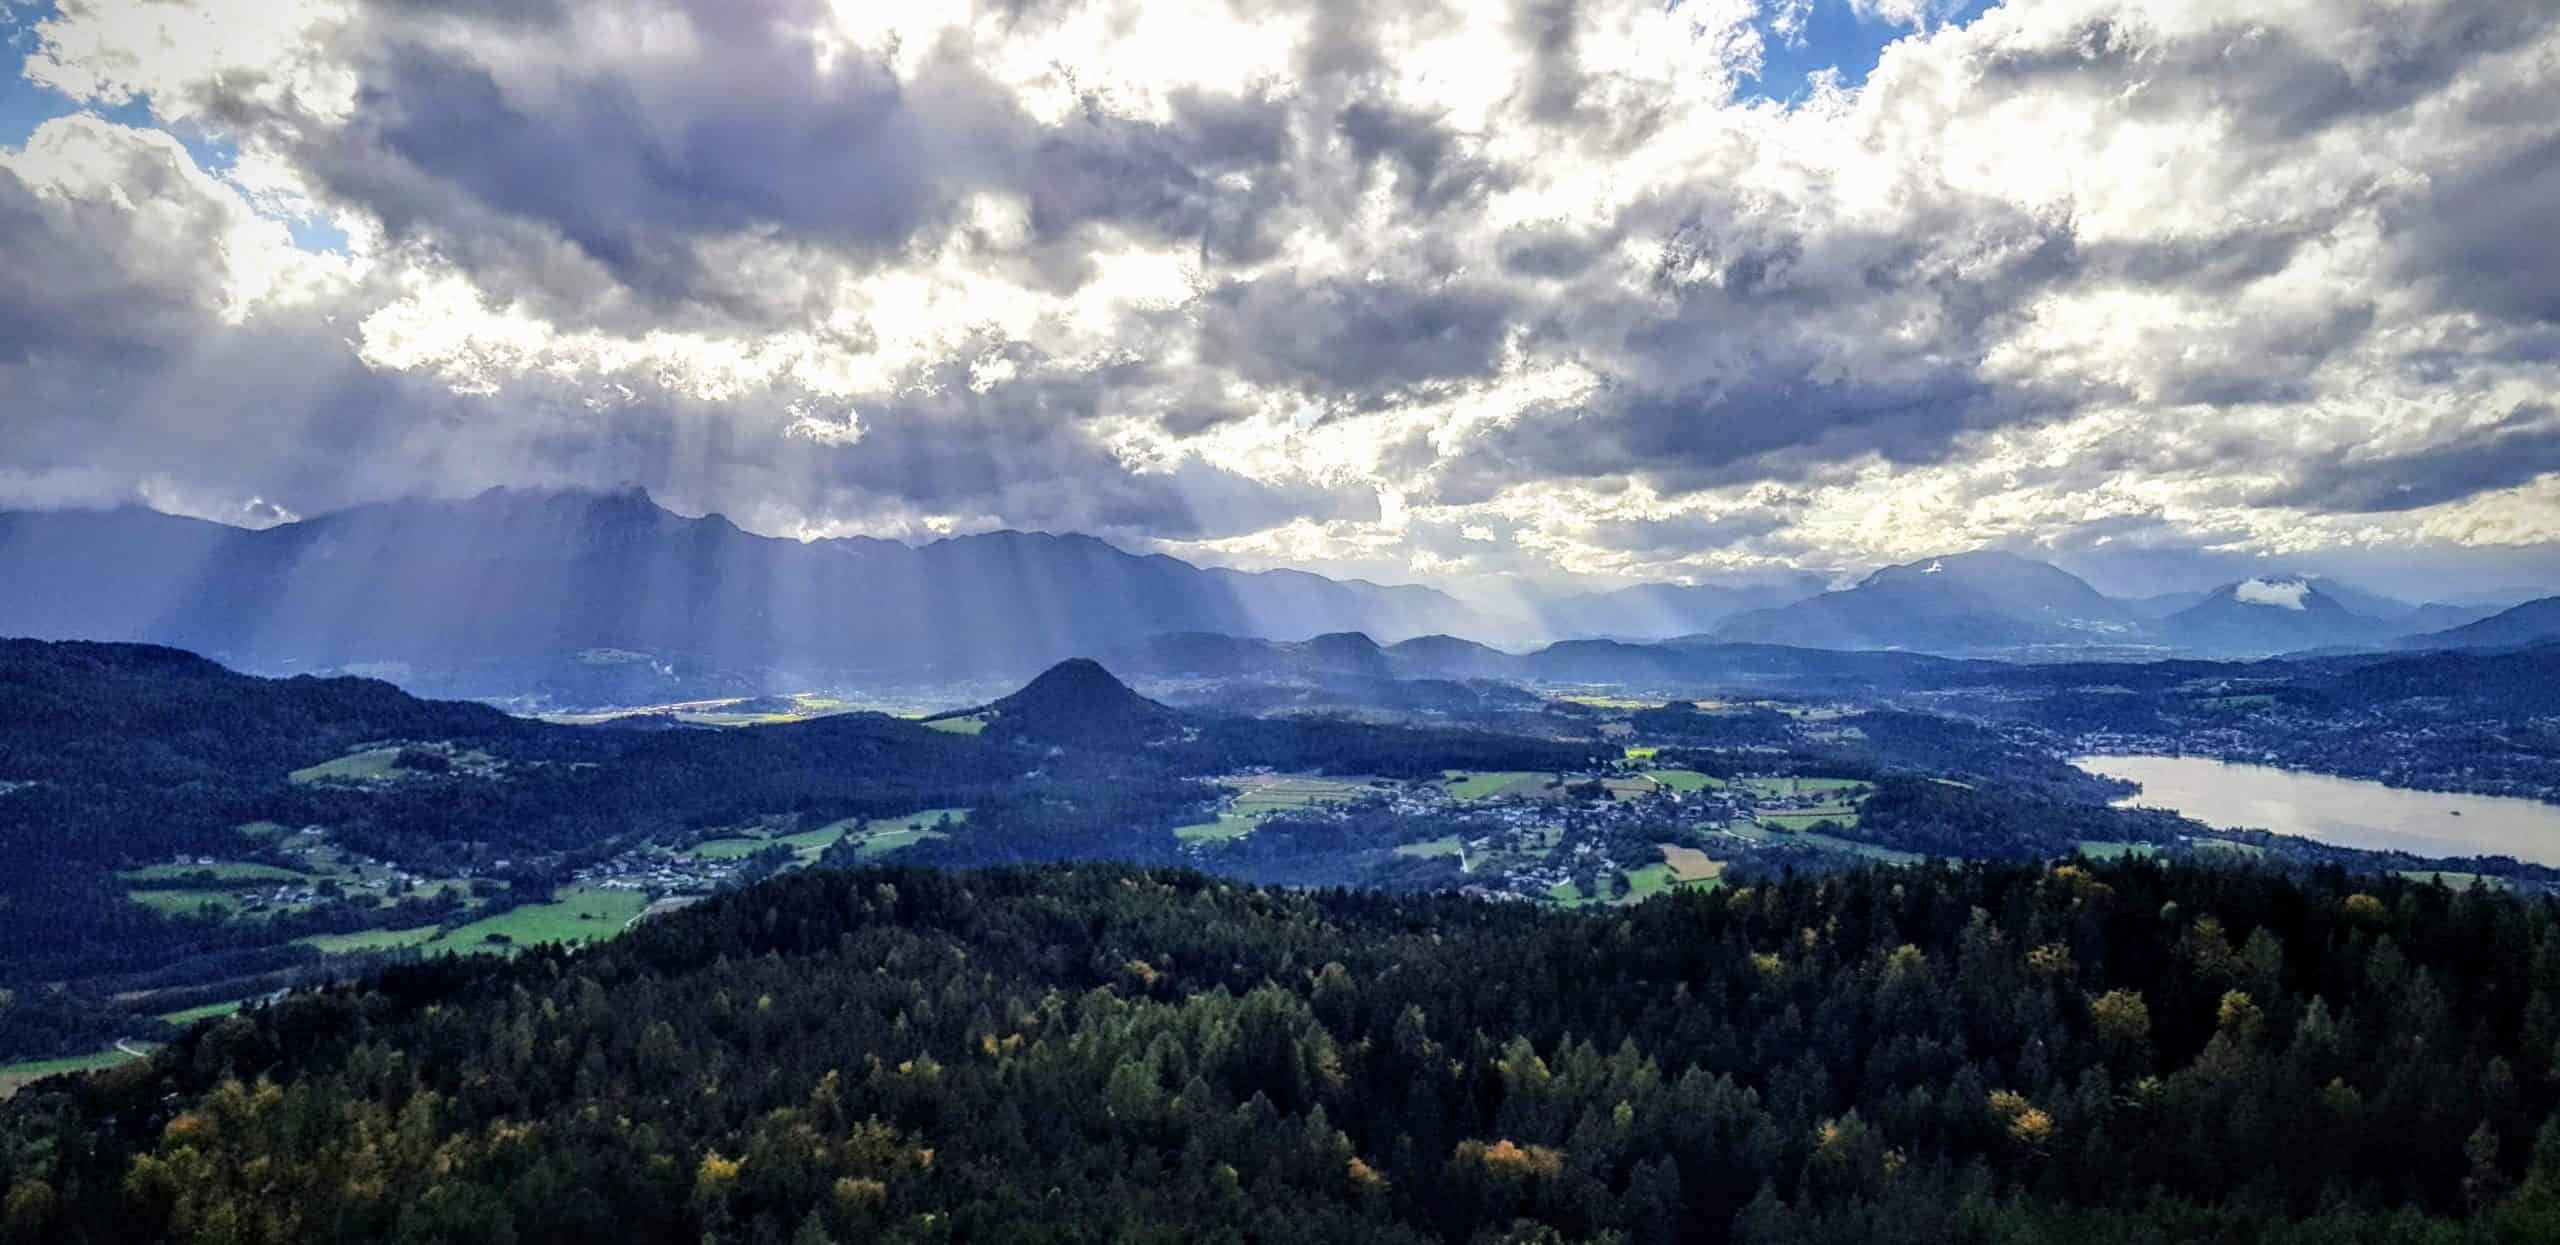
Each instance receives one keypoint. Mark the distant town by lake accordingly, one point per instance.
(2349, 812)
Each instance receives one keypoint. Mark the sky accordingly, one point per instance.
(1547, 292)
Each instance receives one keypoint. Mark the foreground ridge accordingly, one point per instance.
(1991, 1052)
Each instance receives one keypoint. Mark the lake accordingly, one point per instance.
(2350, 812)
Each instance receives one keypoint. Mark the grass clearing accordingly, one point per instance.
(1684, 781)
(1447, 845)
(2230, 845)
(1688, 864)
(2104, 849)
(370, 765)
(1271, 793)
(1597, 701)
(221, 870)
(2457, 881)
(579, 914)
(875, 837)
(1492, 784)
(187, 903)
(365, 941)
(188, 1016)
(17, 1076)
(1794, 786)
(974, 724)
(1888, 855)
(881, 843)
(1643, 754)
(1259, 796)
(1227, 827)
(1645, 883)
(1806, 819)
(1825, 842)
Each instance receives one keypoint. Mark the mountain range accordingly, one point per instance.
(2000, 604)
(1963, 603)
(464, 596)
(607, 597)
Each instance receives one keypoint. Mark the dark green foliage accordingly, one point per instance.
(116, 756)
(1992, 1053)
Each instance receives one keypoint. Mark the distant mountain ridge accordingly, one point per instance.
(589, 598)
(1688, 663)
(1980, 602)
(460, 593)
(2271, 615)
(1666, 611)
(2534, 622)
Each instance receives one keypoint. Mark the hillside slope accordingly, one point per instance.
(2533, 622)
(2115, 1053)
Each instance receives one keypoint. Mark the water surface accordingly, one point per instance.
(2349, 812)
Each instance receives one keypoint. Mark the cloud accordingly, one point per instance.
(2283, 594)
(2456, 463)
(2204, 283)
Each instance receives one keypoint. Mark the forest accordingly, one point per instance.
(116, 758)
(1994, 1052)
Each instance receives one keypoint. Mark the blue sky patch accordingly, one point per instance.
(26, 105)
(1834, 36)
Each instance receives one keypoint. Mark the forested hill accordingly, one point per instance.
(1996, 1053)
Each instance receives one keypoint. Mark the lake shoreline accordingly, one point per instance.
(2078, 752)
(2334, 809)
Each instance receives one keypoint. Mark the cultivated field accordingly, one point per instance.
(222, 871)
(580, 914)
(1688, 864)
(1260, 795)
(190, 1015)
(368, 940)
(1799, 786)
(1493, 784)
(370, 765)
(17, 1076)
(1684, 781)
(874, 837)
(2096, 849)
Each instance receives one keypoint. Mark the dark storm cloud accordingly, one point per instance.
(1550, 251)
(1406, 263)
(2263, 78)
(602, 179)
(1433, 165)
(1549, 28)
(2521, 447)
(2218, 262)
(1358, 340)
(596, 182)
(2483, 236)
(1762, 351)
(116, 366)
(65, 288)
(1764, 429)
